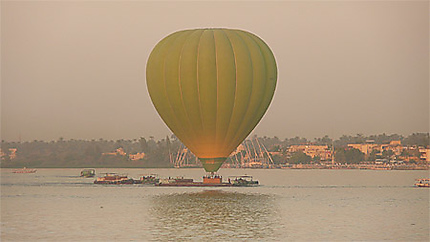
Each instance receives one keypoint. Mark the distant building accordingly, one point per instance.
(311, 150)
(425, 154)
(12, 153)
(119, 151)
(2, 154)
(396, 142)
(395, 146)
(365, 148)
(137, 156)
(239, 149)
(273, 153)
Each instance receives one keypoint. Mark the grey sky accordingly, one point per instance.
(77, 69)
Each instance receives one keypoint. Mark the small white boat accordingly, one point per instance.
(425, 182)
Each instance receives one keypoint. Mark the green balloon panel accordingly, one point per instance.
(211, 87)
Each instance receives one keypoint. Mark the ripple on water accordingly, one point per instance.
(215, 215)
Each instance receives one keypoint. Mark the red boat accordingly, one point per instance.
(24, 170)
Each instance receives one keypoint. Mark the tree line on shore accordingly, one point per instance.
(160, 153)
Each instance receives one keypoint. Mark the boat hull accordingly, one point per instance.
(25, 171)
(422, 182)
(422, 185)
(194, 184)
(130, 181)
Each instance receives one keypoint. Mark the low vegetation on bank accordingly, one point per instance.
(152, 153)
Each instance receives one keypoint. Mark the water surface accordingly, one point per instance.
(57, 205)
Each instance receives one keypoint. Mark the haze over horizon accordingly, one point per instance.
(77, 69)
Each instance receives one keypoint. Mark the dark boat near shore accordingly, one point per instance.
(88, 173)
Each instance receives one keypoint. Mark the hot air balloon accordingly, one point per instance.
(211, 87)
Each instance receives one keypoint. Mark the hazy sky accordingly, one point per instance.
(77, 69)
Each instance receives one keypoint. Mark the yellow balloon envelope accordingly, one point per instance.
(211, 87)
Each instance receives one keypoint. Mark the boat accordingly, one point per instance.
(242, 181)
(88, 172)
(24, 170)
(114, 178)
(208, 181)
(425, 182)
(175, 181)
(148, 179)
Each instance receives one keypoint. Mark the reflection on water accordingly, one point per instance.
(291, 205)
(214, 215)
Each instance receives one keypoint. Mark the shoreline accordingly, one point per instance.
(295, 167)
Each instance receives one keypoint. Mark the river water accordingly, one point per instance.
(57, 205)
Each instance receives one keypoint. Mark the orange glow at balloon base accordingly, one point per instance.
(212, 164)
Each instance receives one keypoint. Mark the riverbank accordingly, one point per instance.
(228, 166)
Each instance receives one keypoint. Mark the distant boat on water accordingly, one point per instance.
(425, 182)
(88, 172)
(24, 170)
